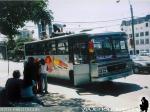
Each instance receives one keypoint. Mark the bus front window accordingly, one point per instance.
(120, 47)
(109, 47)
(102, 48)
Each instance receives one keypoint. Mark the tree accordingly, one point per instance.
(13, 15)
(18, 51)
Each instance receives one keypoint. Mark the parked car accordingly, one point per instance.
(144, 53)
(141, 64)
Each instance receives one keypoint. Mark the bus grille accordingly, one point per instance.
(148, 64)
(118, 67)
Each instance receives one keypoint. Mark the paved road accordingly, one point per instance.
(120, 95)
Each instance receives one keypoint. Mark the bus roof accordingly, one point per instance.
(105, 33)
(81, 34)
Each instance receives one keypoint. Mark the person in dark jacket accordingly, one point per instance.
(144, 106)
(13, 87)
(28, 79)
(38, 83)
(29, 72)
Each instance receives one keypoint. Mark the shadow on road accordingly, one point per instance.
(109, 88)
(100, 88)
(61, 104)
(60, 82)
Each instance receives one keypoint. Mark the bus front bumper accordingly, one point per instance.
(111, 77)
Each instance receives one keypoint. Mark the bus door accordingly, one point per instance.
(79, 56)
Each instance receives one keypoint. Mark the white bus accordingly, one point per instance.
(85, 57)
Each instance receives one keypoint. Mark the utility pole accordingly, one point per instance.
(132, 25)
(132, 22)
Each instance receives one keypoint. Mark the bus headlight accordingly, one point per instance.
(102, 70)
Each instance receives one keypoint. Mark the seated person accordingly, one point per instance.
(13, 87)
(27, 94)
(27, 91)
(144, 106)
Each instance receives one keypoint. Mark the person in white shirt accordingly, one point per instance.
(43, 74)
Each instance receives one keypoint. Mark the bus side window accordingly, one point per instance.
(62, 47)
(31, 50)
(66, 47)
(46, 48)
(39, 49)
(49, 48)
(27, 50)
(80, 53)
(53, 47)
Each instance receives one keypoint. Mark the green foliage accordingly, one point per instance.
(13, 14)
(16, 47)
(19, 48)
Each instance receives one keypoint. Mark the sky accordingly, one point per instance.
(78, 15)
(96, 12)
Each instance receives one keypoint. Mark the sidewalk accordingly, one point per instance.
(54, 101)
(58, 103)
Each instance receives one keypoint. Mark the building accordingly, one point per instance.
(142, 33)
(44, 31)
(50, 30)
(25, 33)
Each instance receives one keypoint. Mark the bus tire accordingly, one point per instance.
(71, 76)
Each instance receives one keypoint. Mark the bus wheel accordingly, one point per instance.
(71, 76)
(136, 70)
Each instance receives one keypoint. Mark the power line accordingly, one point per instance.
(90, 28)
(74, 22)
(92, 21)
(77, 22)
(96, 27)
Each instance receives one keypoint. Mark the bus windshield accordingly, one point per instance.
(110, 47)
